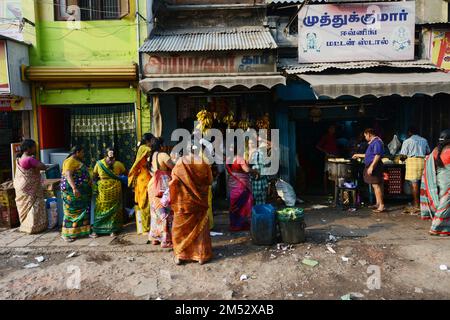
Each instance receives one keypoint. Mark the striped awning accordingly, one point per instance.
(378, 84)
(210, 82)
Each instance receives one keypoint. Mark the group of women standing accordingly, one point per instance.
(172, 200)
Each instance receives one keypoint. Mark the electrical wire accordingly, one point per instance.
(92, 27)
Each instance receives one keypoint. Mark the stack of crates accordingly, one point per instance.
(393, 181)
(9, 217)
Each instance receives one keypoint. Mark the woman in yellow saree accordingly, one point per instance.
(189, 188)
(138, 178)
(108, 213)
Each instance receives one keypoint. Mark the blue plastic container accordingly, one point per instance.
(263, 227)
(53, 172)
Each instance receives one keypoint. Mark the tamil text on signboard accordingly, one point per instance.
(197, 63)
(357, 32)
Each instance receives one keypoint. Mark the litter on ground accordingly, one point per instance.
(310, 262)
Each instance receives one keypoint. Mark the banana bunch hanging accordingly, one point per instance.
(205, 119)
(264, 122)
(229, 120)
(244, 124)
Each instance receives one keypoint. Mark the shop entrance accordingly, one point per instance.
(311, 161)
(95, 127)
(349, 121)
(11, 131)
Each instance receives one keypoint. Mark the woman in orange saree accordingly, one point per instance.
(138, 178)
(189, 188)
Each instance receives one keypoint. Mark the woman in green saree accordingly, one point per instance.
(76, 193)
(108, 213)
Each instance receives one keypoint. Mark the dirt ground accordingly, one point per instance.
(395, 244)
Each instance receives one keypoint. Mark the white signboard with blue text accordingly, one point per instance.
(381, 31)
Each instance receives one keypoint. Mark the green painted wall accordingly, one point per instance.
(96, 43)
(84, 96)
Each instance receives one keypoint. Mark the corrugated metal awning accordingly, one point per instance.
(209, 82)
(378, 84)
(247, 38)
(291, 66)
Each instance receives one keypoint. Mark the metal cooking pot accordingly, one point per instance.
(340, 169)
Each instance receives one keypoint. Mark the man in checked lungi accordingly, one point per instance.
(414, 149)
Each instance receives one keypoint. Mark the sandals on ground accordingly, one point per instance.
(67, 239)
(177, 261)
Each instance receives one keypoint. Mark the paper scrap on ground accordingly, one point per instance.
(330, 249)
(332, 238)
(31, 265)
(40, 259)
(345, 259)
(318, 207)
(310, 262)
(72, 254)
(244, 277)
(443, 267)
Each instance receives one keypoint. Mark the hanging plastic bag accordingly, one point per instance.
(395, 145)
(286, 192)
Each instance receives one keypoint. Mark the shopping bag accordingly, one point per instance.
(286, 192)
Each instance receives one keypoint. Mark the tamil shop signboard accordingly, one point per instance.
(195, 63)
(382, 31)
(4, 75)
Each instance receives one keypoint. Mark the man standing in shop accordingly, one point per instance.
(373, 172)
(414, 149)
(328, 145)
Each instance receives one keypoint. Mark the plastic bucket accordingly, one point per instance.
(293, 231)
(263, 226)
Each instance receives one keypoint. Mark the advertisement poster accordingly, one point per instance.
(4, 76)
(440, 49)
(357, 32)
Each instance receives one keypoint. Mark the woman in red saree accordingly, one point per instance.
(241, 196)
(189, 187)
